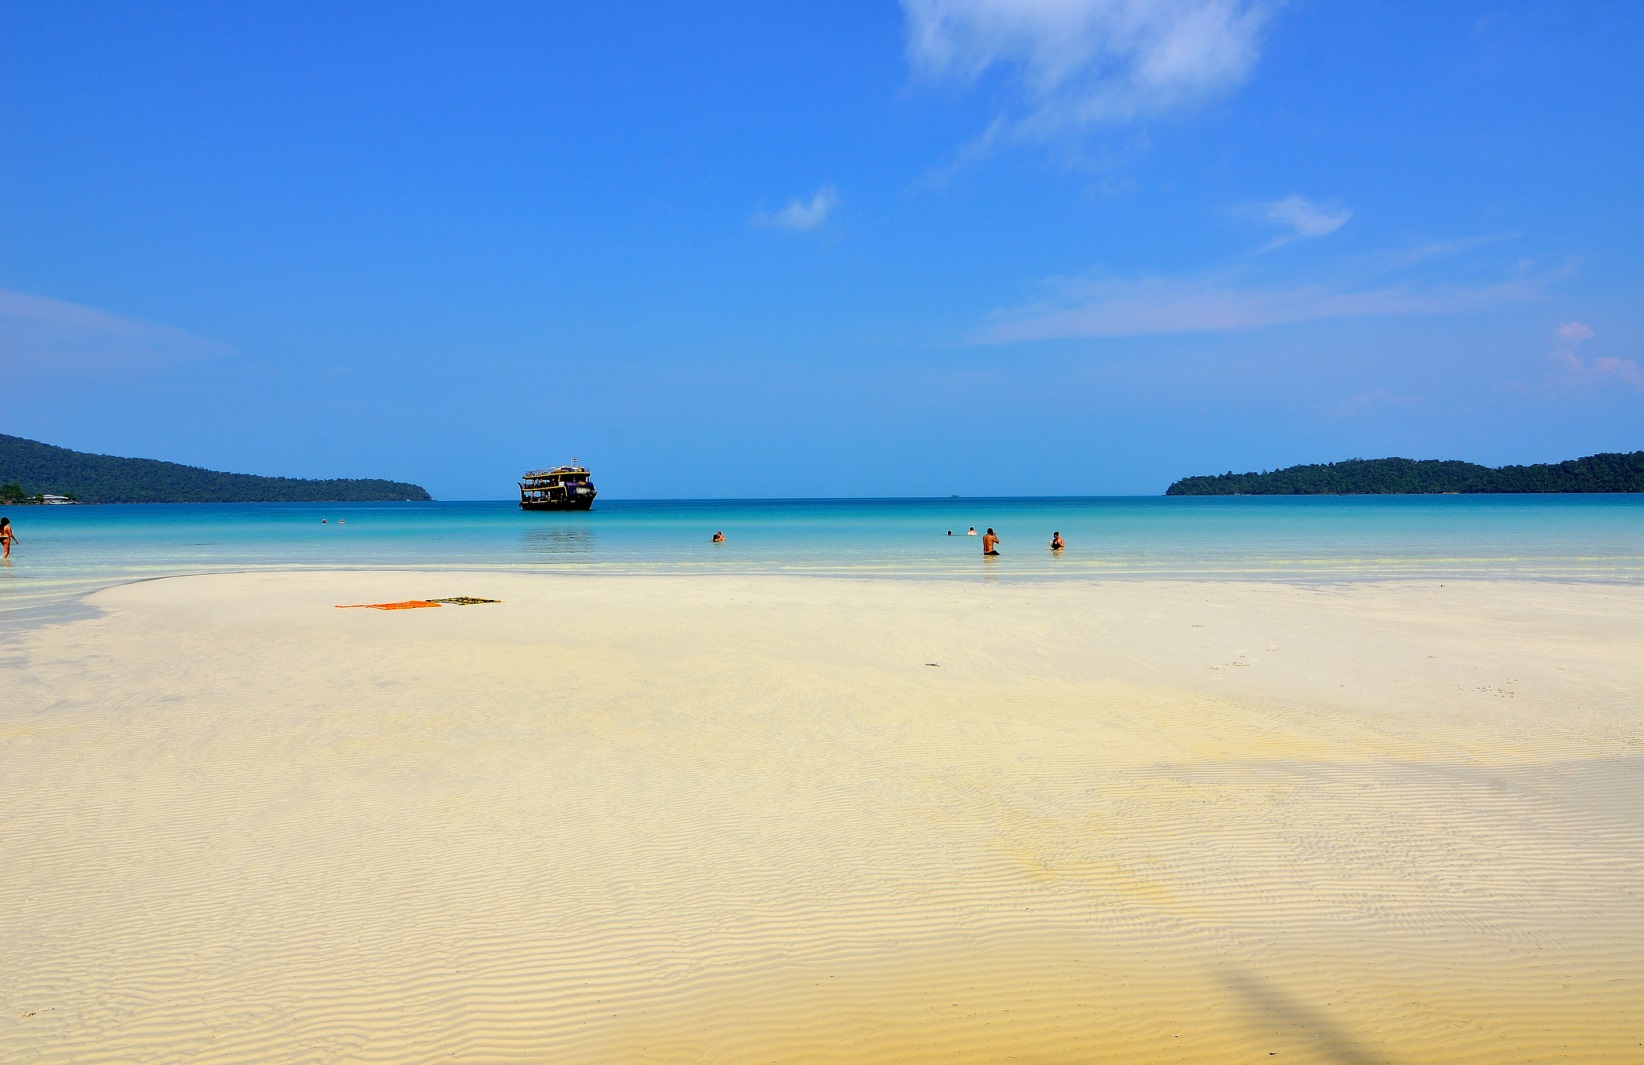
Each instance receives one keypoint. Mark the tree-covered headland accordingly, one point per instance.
(30, 469)
(1611, 472)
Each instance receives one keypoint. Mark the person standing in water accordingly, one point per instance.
(719, 537)
(1056, 543)
(7, 538)
(990, 543)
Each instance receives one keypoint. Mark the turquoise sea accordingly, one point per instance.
(67, 551)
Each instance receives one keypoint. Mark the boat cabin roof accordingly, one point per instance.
(557, 471)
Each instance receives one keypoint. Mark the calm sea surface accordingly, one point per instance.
(67, 551)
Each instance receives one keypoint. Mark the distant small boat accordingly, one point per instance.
(561, 488)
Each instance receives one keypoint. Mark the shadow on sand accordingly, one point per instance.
(1333, 1042)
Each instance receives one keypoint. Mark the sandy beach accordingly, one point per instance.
(768, 818)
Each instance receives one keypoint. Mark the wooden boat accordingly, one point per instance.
(561, 488)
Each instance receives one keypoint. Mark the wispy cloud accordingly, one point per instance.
(1081, 62)
(1377, 398)
(1302, 217)
(803, 213)
(1393, 260)
(1572, 333)
(1573, 369)
(38, 333)
(1112, 307)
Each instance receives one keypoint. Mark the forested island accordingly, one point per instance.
(30, 470)
(1610, 472)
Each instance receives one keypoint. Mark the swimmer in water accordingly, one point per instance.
(1056, 543)
(719, 538)
(972, 531)
(990, 544)
(7, 538)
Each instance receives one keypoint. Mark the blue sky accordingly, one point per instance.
(845, 248)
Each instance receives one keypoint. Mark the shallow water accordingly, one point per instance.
(67, 551)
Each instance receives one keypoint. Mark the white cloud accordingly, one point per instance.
(1581, 371)
(802, 214)
(1111, 307)
(41, 333)
(1304, 218)
(1086, 61)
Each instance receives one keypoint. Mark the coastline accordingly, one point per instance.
(739, 817)
(69, 551)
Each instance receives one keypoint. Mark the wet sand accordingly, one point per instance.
(754, 819)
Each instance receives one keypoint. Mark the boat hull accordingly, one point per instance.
(576, 503)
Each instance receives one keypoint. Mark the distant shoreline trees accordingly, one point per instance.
(13, 495)
(49, 470)
(1609, 472)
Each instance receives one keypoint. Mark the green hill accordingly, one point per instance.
(29, 468)
(1612, 472)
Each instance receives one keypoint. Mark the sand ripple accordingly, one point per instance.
(742, 821)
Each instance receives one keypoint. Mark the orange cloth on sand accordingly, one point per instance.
(409, 604)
